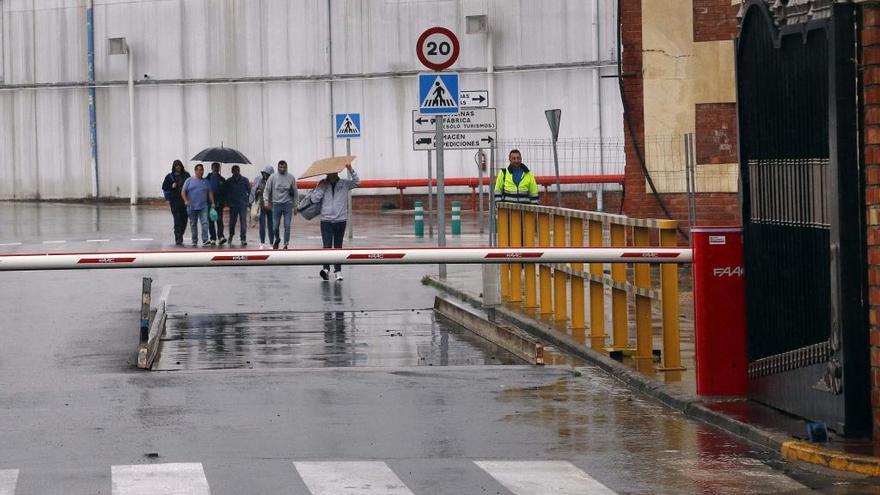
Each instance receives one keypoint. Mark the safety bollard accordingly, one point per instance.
(671, 353)
(529, 270)
(515, 268)
(546, 279)
(644, 335)
(420, 219)
(504, 241)
(619, 317)
(456, 218)
(578, 319)
(560, 278)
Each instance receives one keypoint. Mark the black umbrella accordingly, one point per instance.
(221, 154)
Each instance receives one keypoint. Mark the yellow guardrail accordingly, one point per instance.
(558, 292)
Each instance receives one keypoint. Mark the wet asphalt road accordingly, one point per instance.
(74, 412)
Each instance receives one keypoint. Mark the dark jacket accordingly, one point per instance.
(238, 191)
(173, 193)
(218, 187)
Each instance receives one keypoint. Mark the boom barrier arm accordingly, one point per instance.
(361, 256)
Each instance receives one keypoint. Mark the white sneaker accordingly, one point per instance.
(339, 276)
(262, 246)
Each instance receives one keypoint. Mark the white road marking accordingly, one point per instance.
(543, 478)
(11, 244)
(350, 478)
(97, 240)
(8, 480)
(356, 237)
(142, 239)
(54, 242)
(152, 479)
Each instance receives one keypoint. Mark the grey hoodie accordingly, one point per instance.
(281, 189)
(334, 200)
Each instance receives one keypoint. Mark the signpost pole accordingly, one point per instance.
(480, 157)
(492, 225)
(350, 217)
(430, 198)
(441, 193)
(553, 118)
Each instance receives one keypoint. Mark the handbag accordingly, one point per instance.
(308, 208)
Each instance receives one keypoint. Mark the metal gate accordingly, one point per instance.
(803, 217)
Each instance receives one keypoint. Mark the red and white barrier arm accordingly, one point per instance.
(361, 256)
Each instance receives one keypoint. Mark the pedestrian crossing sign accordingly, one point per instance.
(348, 125)
(438, 93)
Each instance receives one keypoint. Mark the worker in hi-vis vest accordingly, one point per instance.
(516, 184)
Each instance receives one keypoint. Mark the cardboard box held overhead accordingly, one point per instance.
(327, 166)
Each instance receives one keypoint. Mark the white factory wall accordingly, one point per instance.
(44, 136)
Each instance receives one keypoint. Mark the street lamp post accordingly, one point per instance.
(119, 46)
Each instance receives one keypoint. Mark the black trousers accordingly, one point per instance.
(237, 214)
(181, 218)
(216, 228)
(332, 234)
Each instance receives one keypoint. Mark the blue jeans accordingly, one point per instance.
(266, 224)
(285, 210)
(197, 217)
(332, 233)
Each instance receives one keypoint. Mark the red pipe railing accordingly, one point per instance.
(474, 182)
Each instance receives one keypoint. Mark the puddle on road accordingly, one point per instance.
(321, 340)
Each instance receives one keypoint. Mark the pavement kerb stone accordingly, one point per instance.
(688, 404)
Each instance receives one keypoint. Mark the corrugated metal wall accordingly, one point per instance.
(189, 48)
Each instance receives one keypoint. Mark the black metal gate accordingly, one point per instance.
(803, 217)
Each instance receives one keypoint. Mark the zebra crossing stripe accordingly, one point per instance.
(167, 479)
(350, 478)
(8, 480)
(543, 478)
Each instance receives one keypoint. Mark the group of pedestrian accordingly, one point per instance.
(271, 201)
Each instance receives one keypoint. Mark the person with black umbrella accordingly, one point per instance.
(218, 187)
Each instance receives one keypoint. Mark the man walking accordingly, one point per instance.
(218, 183)
(238, 191)
(516, 184)
(258, 196)
(280, 197)
(197, 196)
(172, 186)
(332, 194)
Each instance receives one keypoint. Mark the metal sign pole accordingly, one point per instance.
(492, 194)
(430, 198)
(441, 193)
(558, 184)
(480, 185)
(350, 217)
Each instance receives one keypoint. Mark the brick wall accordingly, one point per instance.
(712, 208)
(715, 20)
(870, 37)
(716, 134)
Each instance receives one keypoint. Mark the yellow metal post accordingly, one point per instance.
(504, 241)
(578, 322)
(529, 269)
(560, 278)
(619, 317)
(515, 232)
(670, 310)
(546, 284)
(597, 291)
(644, 334)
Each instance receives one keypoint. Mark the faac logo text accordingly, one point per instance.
(728, 271)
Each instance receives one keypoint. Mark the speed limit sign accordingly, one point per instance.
(437, 48)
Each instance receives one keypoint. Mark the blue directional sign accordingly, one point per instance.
(348, 125)
(438, 93)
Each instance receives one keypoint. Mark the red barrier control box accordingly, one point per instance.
(719, 311)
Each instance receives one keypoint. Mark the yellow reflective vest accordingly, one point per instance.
(526, 192)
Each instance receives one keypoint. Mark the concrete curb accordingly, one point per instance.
(688, 404)
(147, 352)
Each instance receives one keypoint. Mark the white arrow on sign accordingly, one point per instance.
(466, 120)
(455, 140)
(473, 99)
